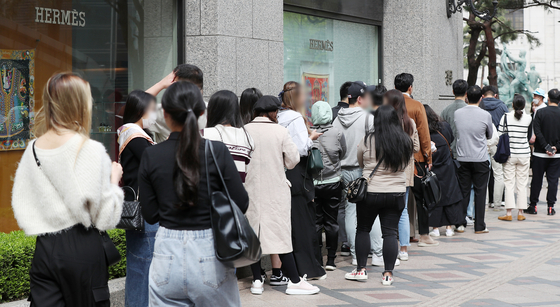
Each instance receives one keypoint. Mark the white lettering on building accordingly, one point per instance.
(60, 17)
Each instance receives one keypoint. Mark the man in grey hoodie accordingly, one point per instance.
(328, 184)
(353, 122)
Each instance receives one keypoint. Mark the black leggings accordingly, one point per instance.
(288, 266)
(389, 207)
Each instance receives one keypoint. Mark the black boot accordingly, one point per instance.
(531, 210)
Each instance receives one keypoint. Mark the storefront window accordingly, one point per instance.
(116, 45)
(324, 53)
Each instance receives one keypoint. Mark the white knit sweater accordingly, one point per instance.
(72, 187)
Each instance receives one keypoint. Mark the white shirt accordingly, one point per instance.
(295, 124)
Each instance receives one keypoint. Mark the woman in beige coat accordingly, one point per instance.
(269, 210)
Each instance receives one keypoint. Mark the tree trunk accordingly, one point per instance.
(473, 60)
(490, 44)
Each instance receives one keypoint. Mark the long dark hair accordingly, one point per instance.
(391, 141)
(136, 105)
(247, 102)
(223, 109)
(518, 105)
(396, 99)
(183, 102)
(434, 121)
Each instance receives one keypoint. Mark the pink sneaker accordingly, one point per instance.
(360, 275)
(302, 287)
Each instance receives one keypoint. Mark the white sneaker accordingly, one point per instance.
(356, 275)
(491, 205)
(449, 232)
(257, 287)
(398, 262)
(461, 229)
(377, 261)
(434, 233)
(370, 255)
(403, 256)
(354, 261)
(302, 287)
(470, 221)
(387, 280)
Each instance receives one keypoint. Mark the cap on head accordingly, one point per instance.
(540, 92)
(357, 89)
(267, 103)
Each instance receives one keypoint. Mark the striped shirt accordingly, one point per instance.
(517, 130)
(239, 143)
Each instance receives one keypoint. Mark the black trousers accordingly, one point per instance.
(327, 201)
(552, 169)
(421, 210)
(475, 174)
(389, 207)
(69, 269)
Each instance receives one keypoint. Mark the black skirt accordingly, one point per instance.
(304, 234)
(447, 215)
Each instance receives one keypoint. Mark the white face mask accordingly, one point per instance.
(150, 121)
(536, 101)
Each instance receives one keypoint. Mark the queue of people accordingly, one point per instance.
(261, 149)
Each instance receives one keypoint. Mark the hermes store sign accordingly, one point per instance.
(60, 17)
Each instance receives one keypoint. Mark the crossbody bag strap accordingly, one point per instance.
(209, 144)
(35, 156)
(446, 142)
(506, 128)
(206, 167)
(375, 169)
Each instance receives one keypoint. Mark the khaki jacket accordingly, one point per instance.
(270, 198)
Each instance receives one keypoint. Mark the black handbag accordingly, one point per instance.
(431, 189)
(356, 190)
(131, 216)
(235, 240)
(503, 150)
(112, 255)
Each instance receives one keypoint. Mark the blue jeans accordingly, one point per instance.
(404, 223)
(139, 251)
(470, 208)
(185, 271)
(351, 220)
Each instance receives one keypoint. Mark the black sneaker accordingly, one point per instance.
(531, 210)
(279, 280)
(345, 250)
(551, 211)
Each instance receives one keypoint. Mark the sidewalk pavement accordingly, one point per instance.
(516, 264)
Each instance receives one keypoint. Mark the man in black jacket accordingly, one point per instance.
(545, 160)
(343, 103)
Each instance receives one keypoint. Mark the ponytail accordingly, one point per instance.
(187, 172)
(518, 105)
(183, 102)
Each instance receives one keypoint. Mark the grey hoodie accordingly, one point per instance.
(352, 123)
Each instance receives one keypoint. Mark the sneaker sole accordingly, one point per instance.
(356, 278)
(330, 268)
(404, 259)
(346, 254)
(385, 283)
(256, 291)
(301, 292)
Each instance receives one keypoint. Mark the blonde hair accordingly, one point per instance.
(67, 104)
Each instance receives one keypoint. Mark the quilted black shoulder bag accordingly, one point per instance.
(131, 216)
(357, 189)
(235, 240)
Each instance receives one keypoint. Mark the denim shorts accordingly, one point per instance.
(185, 271)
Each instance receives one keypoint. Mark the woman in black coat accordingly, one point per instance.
(449, 210)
